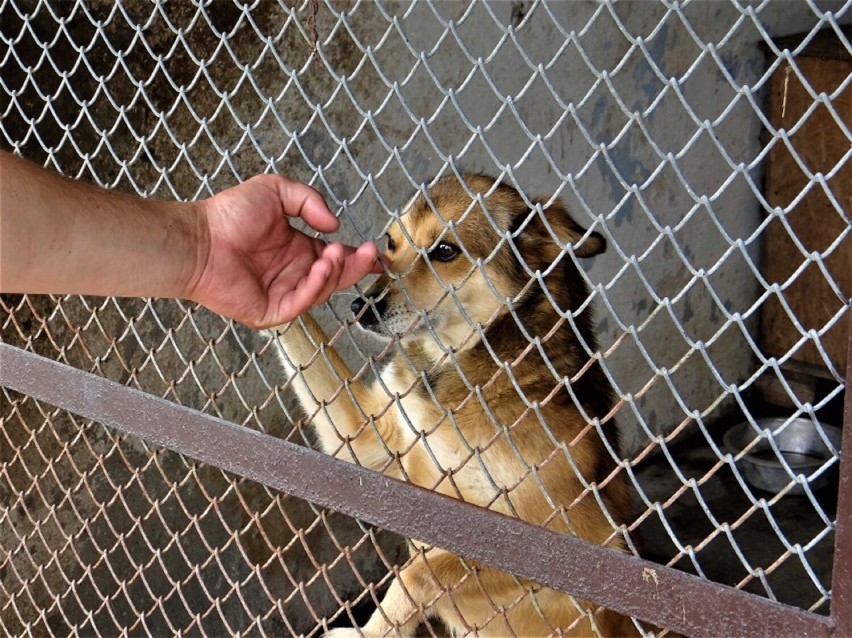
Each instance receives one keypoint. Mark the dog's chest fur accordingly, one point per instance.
(440, 445)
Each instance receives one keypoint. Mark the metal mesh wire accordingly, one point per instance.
(644, 118)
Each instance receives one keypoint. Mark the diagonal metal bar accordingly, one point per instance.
(621, 582)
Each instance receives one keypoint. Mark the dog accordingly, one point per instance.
(488, 398)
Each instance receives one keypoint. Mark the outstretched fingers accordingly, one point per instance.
(358, 263)
(334, 254)
(337, 267)
(304, 294)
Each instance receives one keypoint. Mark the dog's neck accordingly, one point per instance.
(480, 364)
(501, 359)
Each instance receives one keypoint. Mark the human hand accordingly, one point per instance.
(261, 271)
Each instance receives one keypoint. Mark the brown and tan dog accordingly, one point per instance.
(477, 401)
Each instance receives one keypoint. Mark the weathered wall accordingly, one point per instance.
(199, 99)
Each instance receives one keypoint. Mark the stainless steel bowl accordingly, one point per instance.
(800, 444)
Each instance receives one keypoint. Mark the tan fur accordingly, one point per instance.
(453, 445)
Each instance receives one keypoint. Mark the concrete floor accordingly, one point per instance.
(756, 536)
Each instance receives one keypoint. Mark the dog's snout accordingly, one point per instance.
(368, 311)
(358, 305)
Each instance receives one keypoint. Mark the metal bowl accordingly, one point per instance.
(799, 442)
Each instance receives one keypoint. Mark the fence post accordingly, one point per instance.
(841, 580)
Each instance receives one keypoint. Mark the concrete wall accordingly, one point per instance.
(365, 129)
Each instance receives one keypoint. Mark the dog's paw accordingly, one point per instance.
(344, 632)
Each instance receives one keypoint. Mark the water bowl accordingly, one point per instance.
(800, 444)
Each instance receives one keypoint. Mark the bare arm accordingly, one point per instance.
(235, 253)
(58, 235)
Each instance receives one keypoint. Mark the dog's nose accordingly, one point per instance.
(358, 305)
(369, 317)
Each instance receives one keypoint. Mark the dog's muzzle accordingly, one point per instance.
(368, 317)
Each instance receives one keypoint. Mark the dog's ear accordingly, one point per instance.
(554, 221)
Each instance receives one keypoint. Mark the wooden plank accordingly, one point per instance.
(814, 221)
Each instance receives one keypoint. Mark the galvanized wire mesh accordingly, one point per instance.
(644, 118)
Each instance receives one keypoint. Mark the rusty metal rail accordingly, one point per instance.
(645, 590)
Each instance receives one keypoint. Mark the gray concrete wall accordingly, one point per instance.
(365, 129)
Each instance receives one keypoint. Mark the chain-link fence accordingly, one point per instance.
(705, 143)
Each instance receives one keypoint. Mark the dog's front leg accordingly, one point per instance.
(398, 616)
(412, 596)
(339, 406)
(320, 377)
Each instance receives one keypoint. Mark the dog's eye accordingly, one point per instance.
(444, 251)
(391, 243)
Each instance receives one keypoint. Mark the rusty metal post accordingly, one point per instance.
(841, 580)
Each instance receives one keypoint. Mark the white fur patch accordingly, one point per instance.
(286, 364)
(413, 412)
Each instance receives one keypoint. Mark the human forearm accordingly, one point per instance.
(62, 236)
(236, 252)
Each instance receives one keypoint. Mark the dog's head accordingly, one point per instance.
(458, 254)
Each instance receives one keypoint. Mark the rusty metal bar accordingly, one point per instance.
(645, 590)
(841, 578)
